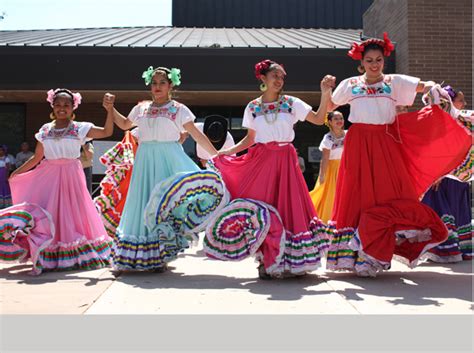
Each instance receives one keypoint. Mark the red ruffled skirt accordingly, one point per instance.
(385, 169)
(114, 187)
(270, 173)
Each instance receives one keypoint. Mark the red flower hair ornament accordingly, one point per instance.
(267, 65)
(358, 49)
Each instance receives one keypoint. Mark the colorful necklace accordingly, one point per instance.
(62, 132)
(262, 108)
(154, 108)
(338, 141)
(158, 105)
(378, 77)
(343, 133)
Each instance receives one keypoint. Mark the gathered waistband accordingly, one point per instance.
(158, 142)
(373, 127)
(274, 144)
(61, 161)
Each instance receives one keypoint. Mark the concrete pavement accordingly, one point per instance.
(197, 285)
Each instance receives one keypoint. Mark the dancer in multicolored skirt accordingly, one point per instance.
(451, 200)
(57, 185)
(159, 156)
(388, 162)
(118, 161)
(268, 181)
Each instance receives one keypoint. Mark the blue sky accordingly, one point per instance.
(50, 14)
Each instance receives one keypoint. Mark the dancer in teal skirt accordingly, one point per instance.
(158, 157)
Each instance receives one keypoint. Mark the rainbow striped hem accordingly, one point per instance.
(136, 253)
(85, 255)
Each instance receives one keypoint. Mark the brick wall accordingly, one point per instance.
(434, 38)
(390, 16)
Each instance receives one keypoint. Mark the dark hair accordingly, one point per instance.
(164, 70)
(62, 92)
(265, 66)
(453, 93)
(269, 68)
(372, 46)
(331, 114)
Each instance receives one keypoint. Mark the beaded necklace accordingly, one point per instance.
(158, 105)
(62, 133)
(366, 79)
(270, 121)
(338, 140)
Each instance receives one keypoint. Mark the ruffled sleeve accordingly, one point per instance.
(326, 143)
(135, 132)
(136, 112)
(342, 93)
(301, 109)
(248, 120)
(83, 130)
(184, 115)
(43, 131)
(404, 89)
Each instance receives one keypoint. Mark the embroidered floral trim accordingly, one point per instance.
(337, 142)
(47, 132)
(285, 105)
(169, 111)
(358, 87)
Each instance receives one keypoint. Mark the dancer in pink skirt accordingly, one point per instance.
(269, 172)
(58, 186)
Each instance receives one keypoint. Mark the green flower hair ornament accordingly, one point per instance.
(148, 75)
(174, 75)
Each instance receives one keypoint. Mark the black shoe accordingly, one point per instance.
(262, 274)
(116, 272)
(161, 269)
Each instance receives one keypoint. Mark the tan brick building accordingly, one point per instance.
(433, 37)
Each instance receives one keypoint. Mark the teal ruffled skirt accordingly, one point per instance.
(136, 248)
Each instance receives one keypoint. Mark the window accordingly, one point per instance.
(12, 126)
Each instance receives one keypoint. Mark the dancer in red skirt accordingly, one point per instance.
(269, 172)
(388, 163)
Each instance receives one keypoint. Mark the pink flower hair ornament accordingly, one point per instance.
(76, 97)
(357, 50)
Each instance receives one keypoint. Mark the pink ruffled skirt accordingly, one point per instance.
(59, 187)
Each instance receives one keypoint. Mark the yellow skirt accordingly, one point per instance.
(323, 194)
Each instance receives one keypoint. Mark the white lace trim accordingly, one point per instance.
(412, 235)
(81, 241)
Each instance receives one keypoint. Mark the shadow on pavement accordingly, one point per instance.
(277, 289)
(458, 267)
(20, 274)
(397, 287)
(199, 254)
(408, 288)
